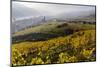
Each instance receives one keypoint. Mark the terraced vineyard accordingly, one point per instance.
(73, 42)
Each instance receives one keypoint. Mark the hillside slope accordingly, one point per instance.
(77, 47)
(54, 27)
(49, 30)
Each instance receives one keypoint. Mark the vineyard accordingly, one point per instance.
(77, 47)
(51, 33)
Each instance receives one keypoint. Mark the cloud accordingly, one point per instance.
(54, 9)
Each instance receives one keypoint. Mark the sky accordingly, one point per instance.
(54, 9)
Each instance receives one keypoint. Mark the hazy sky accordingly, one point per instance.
(53, 9)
